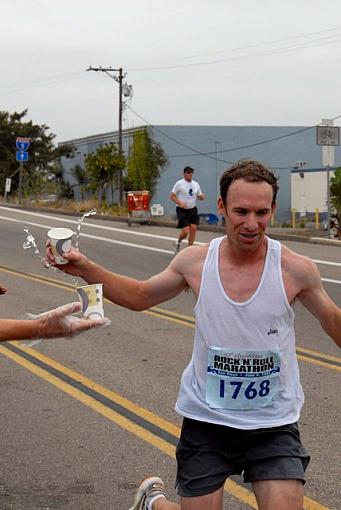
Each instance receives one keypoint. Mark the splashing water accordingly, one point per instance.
(80, 221)
(30, 242)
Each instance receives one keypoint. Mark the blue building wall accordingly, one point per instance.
(185, 145)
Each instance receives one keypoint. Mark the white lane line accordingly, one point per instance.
(120, 230)
(327, 263)
(99, 238)
(94, 225)
(329, 280)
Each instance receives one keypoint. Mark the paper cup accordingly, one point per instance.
(60, 239)
(91, 298)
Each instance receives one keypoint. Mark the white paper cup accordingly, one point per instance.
(60, 239)
(91, 298)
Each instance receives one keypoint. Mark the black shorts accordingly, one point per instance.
(207, 454)
(187, 217)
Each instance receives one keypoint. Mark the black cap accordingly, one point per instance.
(188, 170)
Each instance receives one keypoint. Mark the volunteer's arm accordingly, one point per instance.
(52, 324)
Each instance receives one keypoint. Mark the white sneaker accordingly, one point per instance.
(149, 488)
(177, 246)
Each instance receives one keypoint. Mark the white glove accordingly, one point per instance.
(61, 323)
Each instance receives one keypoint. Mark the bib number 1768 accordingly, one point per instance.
(249, 391)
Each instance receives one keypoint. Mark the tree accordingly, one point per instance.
(103, 167)
(81, 178)
(42, 152)
(146, 160)
(335, 196)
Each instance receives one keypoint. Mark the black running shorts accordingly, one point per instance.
(187, 217)
(207, 454)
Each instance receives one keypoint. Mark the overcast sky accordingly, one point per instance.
(190, 62)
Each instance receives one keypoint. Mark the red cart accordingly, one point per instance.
(138, 207)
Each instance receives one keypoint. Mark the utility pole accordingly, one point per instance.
(22, 144)
(119, 79)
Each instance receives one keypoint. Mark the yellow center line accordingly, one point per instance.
(316, 353)
(89, 401)
(319, 363)
(111, 395)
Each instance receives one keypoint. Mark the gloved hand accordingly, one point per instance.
(61, 323)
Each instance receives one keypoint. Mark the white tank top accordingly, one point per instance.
(244, 371)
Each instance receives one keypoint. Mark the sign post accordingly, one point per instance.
(22, 144)
(328, 136)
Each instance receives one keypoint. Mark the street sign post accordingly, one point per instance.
(21, 155)
(328, 136)
(328, 155)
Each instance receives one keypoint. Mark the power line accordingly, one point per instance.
(285, 49)
(196, 153)
(44, 82)
(208, 154)
(247, 47)
(51, 80)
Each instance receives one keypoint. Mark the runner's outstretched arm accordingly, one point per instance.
(316, 300)
(122, 290)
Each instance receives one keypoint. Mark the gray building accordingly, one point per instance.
(212, 149)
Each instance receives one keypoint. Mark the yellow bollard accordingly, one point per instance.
(317, 222)
(293, 212)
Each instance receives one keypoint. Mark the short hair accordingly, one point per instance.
(188, 169)
(251, 171)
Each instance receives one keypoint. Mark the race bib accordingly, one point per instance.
(242, 379)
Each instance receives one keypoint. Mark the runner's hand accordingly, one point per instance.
(78, 264)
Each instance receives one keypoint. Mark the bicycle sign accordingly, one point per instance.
(327, 135)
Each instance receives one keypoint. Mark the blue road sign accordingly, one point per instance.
(22, 143)
(22, 146)
(21, 156)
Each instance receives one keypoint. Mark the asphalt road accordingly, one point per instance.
(84, 420)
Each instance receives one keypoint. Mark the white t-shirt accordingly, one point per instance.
(187, 192)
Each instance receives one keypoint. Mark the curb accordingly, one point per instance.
(322, 240)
